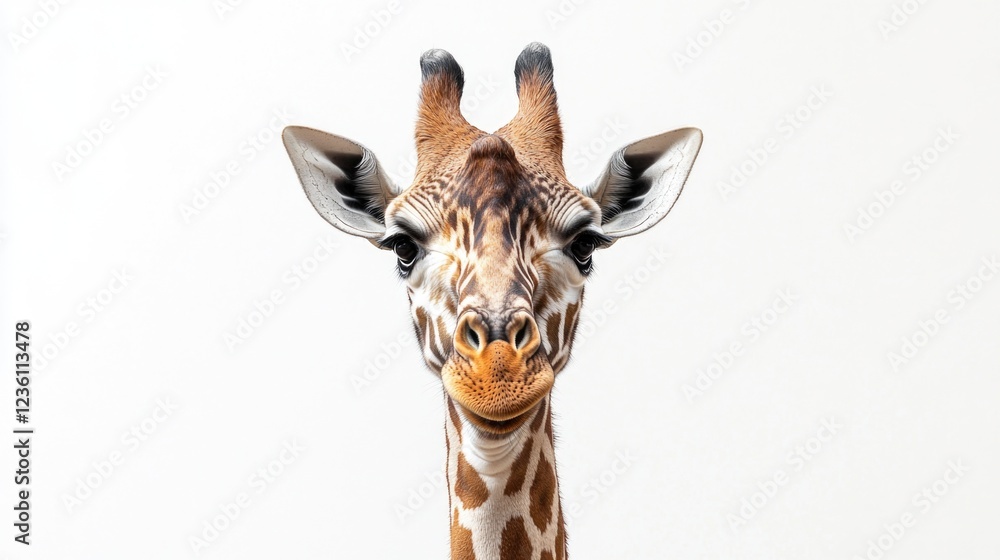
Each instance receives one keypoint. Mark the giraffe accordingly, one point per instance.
(494, 246)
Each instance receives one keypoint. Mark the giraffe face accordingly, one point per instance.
(493, 243)
(494, 253)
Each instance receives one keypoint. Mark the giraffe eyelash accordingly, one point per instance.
(407, 252)
(582, 248)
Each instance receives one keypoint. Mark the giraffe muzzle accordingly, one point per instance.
(497, 374)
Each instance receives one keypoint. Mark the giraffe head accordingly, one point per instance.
(493, 242)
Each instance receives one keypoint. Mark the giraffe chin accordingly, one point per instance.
(497, 396)
(497, 427)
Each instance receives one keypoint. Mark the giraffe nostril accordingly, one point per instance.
(472, 336)
(521, 338)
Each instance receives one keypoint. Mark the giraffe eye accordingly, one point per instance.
(583, 248)
(406, 251)
(582, 251)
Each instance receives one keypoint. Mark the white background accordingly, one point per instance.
(366, 450)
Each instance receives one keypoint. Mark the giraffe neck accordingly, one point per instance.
(503, 494)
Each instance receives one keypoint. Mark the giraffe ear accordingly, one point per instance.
(643, 180)
(343, 180)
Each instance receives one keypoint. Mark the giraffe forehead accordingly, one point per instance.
(493, 193)
(481, 214)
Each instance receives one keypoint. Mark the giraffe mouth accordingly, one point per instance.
(497, 390)
(497, 427)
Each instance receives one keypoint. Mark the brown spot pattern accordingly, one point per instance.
(461, 541)
(539, 417)
(422, 324)
(514, 543)
(571, 310)
(442, 332)
(552, 333)
(519, 470)
(546, 555)
(455, 420)
(469, 487)
(543, 493)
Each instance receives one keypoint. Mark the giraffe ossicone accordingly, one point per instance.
(494, 245)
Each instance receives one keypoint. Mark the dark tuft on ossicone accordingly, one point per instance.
(535, 58)
(439, 61)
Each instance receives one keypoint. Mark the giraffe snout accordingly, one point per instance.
(497, 374)
(474, 334)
